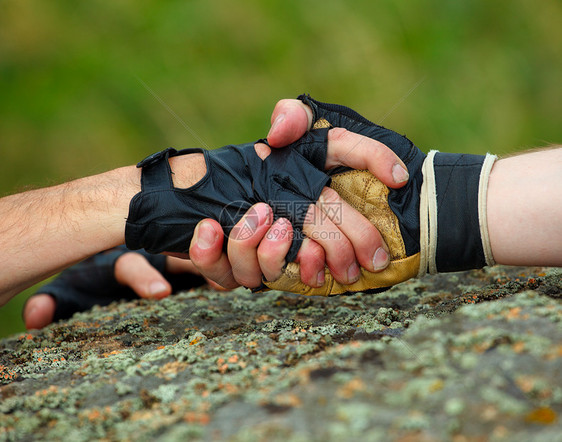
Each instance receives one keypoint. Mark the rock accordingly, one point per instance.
(464, 356)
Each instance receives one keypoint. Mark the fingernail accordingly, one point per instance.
(320, 278)
(279, 230)
(399, 173)
(380, 259)
(157, 287)
(206, 236)
(353, 273)
(276, 122)
(251, 221)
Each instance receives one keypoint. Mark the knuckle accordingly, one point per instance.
(338, 134)
(342, 252)
(266, 257)
(329, 195)
(127, 262)
(313, 256)
(367, 234)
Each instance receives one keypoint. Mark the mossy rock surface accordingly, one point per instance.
(465, 356)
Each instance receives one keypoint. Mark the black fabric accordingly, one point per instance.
(404, 202)
(459, 243)
(92, 282)
(163, 218)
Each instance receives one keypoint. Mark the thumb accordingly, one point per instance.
(290, 121)
(134, 270)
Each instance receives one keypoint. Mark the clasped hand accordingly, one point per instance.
(337, 236)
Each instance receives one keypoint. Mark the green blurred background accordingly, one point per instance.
(79, 80)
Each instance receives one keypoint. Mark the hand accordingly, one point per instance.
(106, 277)
(436, 223)
(264, 251)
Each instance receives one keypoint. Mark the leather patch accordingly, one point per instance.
(322, 123)
(399, 270)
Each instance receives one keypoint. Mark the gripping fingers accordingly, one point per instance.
(207, 255)
(346, 235)
(311, 259)
(347, 148)
(340, 256)
(243, 244)
(370, 249)
(274, 247)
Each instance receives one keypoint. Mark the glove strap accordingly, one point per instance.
(483, 207)
(453, 213)
(428, 217)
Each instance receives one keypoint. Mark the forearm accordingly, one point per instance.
(525, 209)
(43, 231)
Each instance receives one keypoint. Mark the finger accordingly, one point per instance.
(289, 121)
(274, 247)
(133, 270)
(345, 235)
(218, 287)
(207, 255)
(370, 249)
(39, 311)
(340, 256)
(179, 265)
(347, 148)
(243, 244)
(176, 255)
(311, 259)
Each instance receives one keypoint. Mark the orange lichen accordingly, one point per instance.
(513, 313)
(262, 318)
(519, 347)
(350, 388)
(111, 353)
(541, 415)
(7, 374)
(171, 369)
(288, 399)
(194, 417)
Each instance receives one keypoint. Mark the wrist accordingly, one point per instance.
(115, 192)
(453, 219)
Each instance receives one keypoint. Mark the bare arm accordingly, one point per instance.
(525, 209)
(43, 231)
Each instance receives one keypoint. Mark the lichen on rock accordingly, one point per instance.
(475, 354)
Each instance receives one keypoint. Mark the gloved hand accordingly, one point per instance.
(436, 222)
(93, 282)
(162, 218)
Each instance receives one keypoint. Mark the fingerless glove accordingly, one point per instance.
(92, 282)
(162, 218)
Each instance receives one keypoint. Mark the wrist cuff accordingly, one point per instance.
(453, 225)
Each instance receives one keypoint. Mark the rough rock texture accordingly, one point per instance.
(466, 356)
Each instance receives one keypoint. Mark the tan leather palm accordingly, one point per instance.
(369, 196)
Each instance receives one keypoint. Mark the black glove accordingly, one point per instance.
(92, 282)
(435, 223)
(163, 218)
